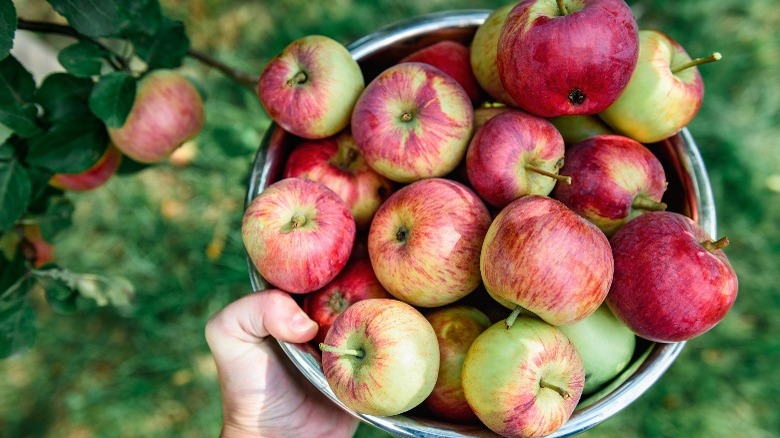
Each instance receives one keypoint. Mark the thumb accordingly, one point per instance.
(250, 319)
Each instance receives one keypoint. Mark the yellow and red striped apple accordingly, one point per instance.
(298, 234)
(452, 58)
(540, 255)
(614, 179)
(381, 357)
(336, 162)
(514, 154)
(413, 121)
(167, 112)
(310, 87)
(424, 242)
(92, 178)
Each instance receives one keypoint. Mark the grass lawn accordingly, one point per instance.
(174, 231)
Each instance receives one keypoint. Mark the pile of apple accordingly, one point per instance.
(455, 264)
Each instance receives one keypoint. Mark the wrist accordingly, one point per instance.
(231, 431)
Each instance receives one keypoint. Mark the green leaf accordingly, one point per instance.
(16, 83)
(15, 189)
(5, 133)
(17, 328)
(56, 217)
(164, 49)
(108, 18)
(72, 145)
(41, 190)
(62, 96)
(11, 271)
(6, 150)
(83, 59)
(21, 118)
(7, 27)
(112, 98)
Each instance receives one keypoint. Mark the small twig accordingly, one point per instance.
(245, 79)
(61, 29)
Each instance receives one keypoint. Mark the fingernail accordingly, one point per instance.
(301, 323)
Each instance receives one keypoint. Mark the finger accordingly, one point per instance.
(253, 317)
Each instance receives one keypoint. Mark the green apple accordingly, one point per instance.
(524, 380)
(577, 128)
(664, 94)
(605, 344)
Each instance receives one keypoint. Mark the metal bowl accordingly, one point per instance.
(689, 192)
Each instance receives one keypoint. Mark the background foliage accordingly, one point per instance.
(143, 368)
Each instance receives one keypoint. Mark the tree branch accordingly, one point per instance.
(245, 79)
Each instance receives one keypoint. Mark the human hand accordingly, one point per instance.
(262, 395)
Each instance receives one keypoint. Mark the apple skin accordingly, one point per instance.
(400, 363)
(452, 58)
(354, 283)
(500, 150)
(657, 103)
(614, 179)
(456, 328)
(575, 129)
(413, 121)
(516, 260)
(484, 55)
(424, 242)
(578, 63)
(298, 234)
(310, 87)
(92, 178)
(336, 162)
(167, 112)
(675, 297)
(605, 345)
(484, 113)
(503, 373)
(35, 248)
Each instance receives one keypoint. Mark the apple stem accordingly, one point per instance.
(713, 246)
(297, 221)
(539, 170)
(299, 78)
(562, 7)
(406, 117)
(564, 393)
(642, 202)
(512, 317)
(346, 158)
(343, 351)
(401, 234)
(716, 56)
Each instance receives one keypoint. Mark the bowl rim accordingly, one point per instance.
(649, 367)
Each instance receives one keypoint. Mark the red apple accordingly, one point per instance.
(452, 58)
(614, 179)
(672, 281)
(35, 248)
(664, 94)
(514, 154)
(456, 328)
(310, 88)
(542, 256)
(413, 121)
(424, 242)
(484, 54)
(167, 111)
(524, 381)
(567, 57)
(298, 234)
(336, 162)
(354, 283)
(381, 357)
(92, 178)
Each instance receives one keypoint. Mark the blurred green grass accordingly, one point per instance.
(175, 233)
